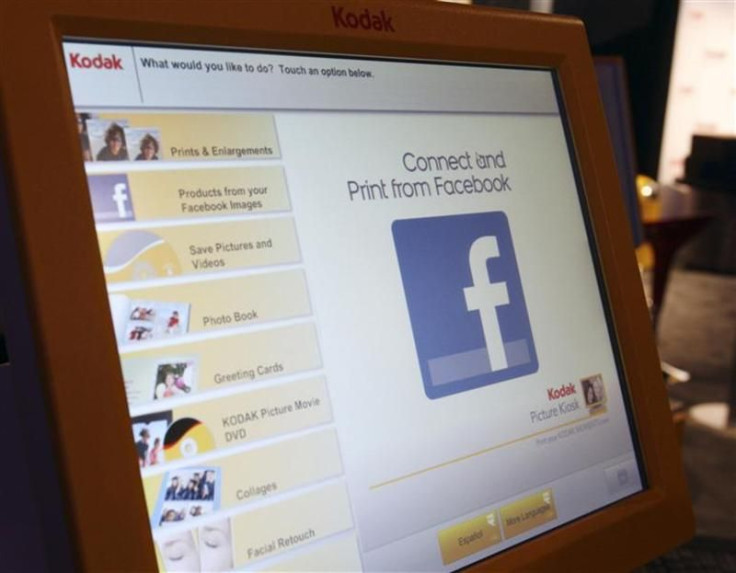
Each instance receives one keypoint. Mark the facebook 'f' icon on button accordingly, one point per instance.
(465, 299)
(111, 200)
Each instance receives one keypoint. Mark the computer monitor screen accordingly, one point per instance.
(357, 305)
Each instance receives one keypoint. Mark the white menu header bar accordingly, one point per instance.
(128, 76)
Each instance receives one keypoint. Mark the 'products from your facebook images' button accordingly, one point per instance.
(465, 299)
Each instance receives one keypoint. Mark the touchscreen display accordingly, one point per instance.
(356, 306)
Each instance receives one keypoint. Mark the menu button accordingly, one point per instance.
(622, 477)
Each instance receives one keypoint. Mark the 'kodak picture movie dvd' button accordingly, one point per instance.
(469, 537)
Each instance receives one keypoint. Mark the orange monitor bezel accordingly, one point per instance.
(54, 227)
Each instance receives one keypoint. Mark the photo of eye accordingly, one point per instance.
(179, 551)
(215, 546)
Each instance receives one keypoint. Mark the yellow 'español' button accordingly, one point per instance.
(469, 537)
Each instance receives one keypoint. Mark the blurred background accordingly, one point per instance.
(667, 75)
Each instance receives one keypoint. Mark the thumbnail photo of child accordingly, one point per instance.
(144, 143)
(150, 378)
(174, 379)
(107, 139)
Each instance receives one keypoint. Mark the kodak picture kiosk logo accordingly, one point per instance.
(465, 300)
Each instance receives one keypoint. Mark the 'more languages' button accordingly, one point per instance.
(469, 537)
(527, 513)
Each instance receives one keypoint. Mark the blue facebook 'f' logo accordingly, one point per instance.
(466, 305)
(111, 200)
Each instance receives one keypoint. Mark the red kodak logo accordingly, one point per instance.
(367, 20)
(561, 392)
(99, 62)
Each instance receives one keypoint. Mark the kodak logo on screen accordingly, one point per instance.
(106, 67)
(465, 300)
(366, 20)
(98, 62)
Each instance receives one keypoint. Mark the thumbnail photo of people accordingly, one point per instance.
(186, 494)
(208, 548)
(144, 143)
(594, 393)
(174, 379)
(150, 319)
(159, 377)
(107, 139)
(198, 484)
(140, 320)
(149, 432)
(82, 119)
